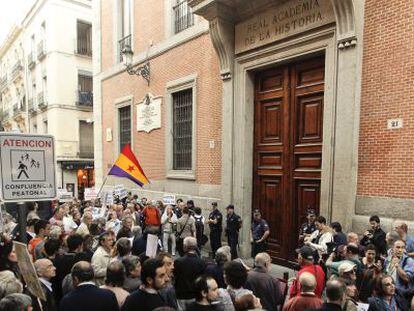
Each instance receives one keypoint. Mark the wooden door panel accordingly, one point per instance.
(307, 194)
(309, 119)
(271, 122)
(271, 193)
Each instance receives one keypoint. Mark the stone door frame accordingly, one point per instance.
(343, 50)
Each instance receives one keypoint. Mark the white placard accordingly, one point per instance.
(362, 306)
(90, 194)
(27, 167)
(149, 114)
(64, 196)
(152, 245)
(169, 199)
(120, 191)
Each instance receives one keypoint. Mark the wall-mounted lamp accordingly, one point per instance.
(143, 71)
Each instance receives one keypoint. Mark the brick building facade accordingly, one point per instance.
(291, 102)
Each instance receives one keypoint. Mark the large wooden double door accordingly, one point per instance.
(288, 149)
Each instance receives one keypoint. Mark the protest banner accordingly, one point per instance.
(120, 191)
(168, 199)
(90, 194)
(28, 271)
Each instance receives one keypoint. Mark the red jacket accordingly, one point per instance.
(317, 271)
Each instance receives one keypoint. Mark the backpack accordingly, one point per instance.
(152, 216)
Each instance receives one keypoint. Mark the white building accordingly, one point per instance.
(57, 44)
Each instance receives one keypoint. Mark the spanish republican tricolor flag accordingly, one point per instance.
(127, 166)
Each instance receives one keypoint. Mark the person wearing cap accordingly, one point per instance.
(259, 234)
(305, 260)
(234, 223)
(215, 220)
(307, 228)
(351, 259)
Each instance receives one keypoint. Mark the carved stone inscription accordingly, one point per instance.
(280, 22)
(149, 114)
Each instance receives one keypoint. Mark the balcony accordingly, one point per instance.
(183, 16)
(32, 108)
(124, 43)
(84, 99)
(30, 61)
(41, 101)
(19, 109)
(41, 52)
(17, 69)
(3, 82)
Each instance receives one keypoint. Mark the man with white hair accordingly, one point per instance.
(264, 285)
(16, 301)
(45, 271)
(186, 270)
(306, 299)
(223, 255)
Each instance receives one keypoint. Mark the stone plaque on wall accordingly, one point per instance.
(149, 113)
(288, 19)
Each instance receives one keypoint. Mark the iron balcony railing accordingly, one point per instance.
(3, 82)
(32, 108)
(124, 44)
(183, 16)
(41, 101)
(17, 68)
(85, 99)
(5, 114)
(41, 53)
(86, 148)
(30, 61)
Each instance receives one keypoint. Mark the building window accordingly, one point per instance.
(125, 25)
(124, 126)
(183, 16)
(45, 127)
(85, 139)
(182, 129)
(85, 90)
(84, 43)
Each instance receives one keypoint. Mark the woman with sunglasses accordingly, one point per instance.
(387, 297)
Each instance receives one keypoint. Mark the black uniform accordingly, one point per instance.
(215, 230)
(234, 222)
(258, 230)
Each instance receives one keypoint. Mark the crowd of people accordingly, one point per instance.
(89, 257)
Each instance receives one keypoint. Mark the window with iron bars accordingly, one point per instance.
(124, 126)
(183, 16)
(85, 93)
(182, 129)
(84, 43)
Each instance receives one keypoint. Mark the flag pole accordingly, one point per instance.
(100, 189)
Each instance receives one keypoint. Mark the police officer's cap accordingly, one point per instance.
(214, 203)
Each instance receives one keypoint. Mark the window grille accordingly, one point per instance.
(84, 43)
(182, 129)
(124, 126)
(85, 94)
(183, 15)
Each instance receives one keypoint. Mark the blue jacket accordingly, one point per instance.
(89, 297)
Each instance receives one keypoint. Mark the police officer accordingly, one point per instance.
(214, 221)
(307, 228)
(234, 223)
(259, 233)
